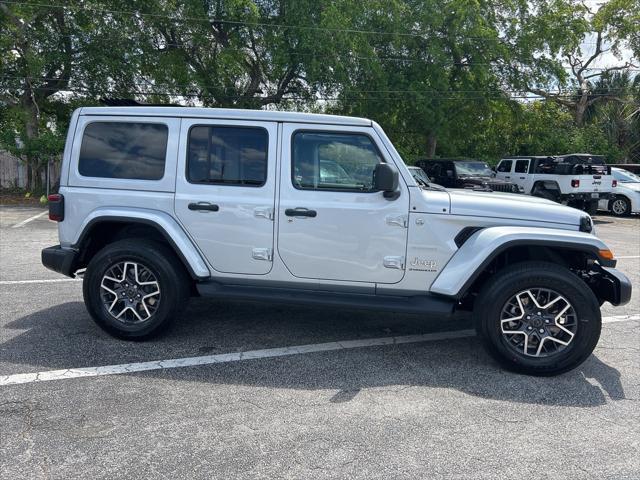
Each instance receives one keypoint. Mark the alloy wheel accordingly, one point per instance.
(538, 322)
(619, 206)
(130, 292)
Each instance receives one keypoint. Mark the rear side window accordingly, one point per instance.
(227, 155)
(522, 166)
(127, 150)
(505, 166)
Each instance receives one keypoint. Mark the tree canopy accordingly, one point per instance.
(473, 78)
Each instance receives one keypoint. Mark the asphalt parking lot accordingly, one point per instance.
(424, 407)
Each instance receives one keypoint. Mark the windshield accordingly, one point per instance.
(474, 168)
(419, 174)
(624, 176)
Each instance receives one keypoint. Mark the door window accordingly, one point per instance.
(522, 166)
(227, 155)
(333, 161)
(505, 166)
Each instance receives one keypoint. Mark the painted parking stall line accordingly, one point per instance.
(30, 219)
(52, 280)
(70, 373)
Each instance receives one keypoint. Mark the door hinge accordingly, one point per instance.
(263, 212)
(262, 254)
(393, 262)
(397, 221)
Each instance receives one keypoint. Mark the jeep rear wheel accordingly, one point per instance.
(133, 289)
(538, 318)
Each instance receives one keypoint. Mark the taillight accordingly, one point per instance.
(575, 183)
(614, 184)
(56, 207)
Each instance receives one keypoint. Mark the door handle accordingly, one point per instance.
(204, 206)
(522, 178)
(300, 212)
(506, 176)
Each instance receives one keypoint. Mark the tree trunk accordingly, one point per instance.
(581, 104)
(29, 182)
(432, 143)
(578, 114)
(31, 129)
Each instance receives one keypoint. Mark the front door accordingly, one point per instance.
(225, 192)
(331, 223)
(521, 175)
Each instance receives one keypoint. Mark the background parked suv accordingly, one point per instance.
(456, 173)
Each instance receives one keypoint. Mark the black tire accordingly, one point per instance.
(508, 283)
(172, 282)
(591, 207)
(544, 193)
(620, 206)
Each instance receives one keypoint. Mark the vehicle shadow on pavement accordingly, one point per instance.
(63, 336)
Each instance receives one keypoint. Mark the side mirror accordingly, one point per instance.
(386, 180)
(450, 173)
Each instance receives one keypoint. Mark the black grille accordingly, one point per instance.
(501, 187)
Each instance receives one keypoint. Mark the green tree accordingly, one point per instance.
(555, 46)
(50, 57)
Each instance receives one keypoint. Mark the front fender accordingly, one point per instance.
(171, 230)
(483, 246)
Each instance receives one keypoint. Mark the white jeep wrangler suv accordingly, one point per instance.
(160, 203)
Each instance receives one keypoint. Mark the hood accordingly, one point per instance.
(512, 206)
(480, 179)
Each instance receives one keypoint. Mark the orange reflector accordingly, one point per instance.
(606, 254)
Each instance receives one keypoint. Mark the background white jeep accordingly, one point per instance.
(578, 180)
(160, 203)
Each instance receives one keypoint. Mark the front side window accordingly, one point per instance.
(333, 161)
(127, 150)
(227, 155)
(522, 166)
(505, 166)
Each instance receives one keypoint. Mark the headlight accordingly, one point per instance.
(586, 224)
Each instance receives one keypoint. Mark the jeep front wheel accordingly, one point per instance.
(538, 318)
(133, 289)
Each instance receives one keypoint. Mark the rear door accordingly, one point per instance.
(331, 223)
(225, 191)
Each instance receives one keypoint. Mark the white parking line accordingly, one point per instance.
(629, 256)
(224, 358)
(30, 219)
(52, 280)
(69, 373)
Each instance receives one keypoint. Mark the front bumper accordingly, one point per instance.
(614, 286)
(61, 260)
